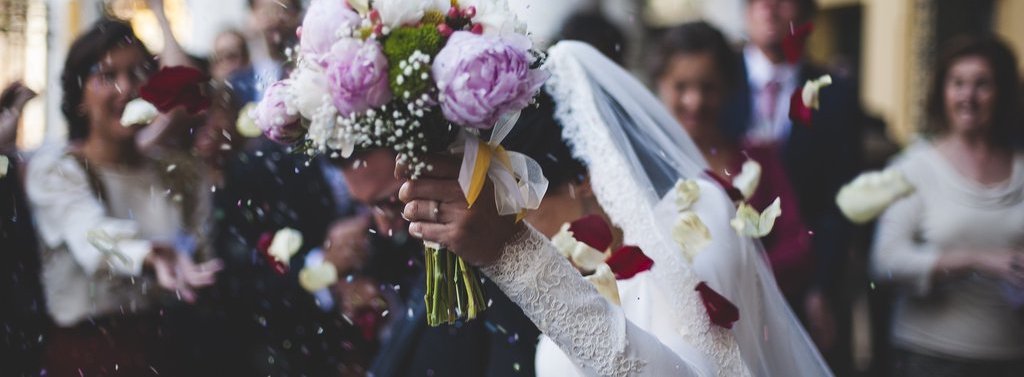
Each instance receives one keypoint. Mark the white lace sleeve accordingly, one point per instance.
(565, 307)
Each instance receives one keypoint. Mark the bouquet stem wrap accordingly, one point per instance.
(454, 289)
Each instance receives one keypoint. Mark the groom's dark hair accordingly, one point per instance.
(537, 134)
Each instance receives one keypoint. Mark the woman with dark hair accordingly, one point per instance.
(113, 223)
(957, 243)
(694, 73)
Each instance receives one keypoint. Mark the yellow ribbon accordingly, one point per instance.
(485, 153)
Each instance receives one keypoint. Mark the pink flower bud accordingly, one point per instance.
(477, 29)
(469, 13)
(445, 30)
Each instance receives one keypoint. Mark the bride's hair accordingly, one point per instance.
(539, 136)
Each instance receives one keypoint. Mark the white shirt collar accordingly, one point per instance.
(761, 70)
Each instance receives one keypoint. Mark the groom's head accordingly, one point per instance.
(370, 175)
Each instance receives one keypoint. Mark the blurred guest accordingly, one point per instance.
(276, 22)
(12, 102)
(694, 74)
(818, 159)
(230, 54)
(275, 326)
(957, 243)
(596, 30)
(113, 223)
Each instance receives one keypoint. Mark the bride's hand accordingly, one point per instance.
(437, 211)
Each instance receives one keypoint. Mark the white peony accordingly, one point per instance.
(138, 111)
(871, 193)
(495, 17)
(748, 179)
(286, 243)
(687, 193)
(604, 280)
(4, 165)
(809, 94)
(313, 278)
(396, 13)
(749, 223)
(691, 234)
(308, 91)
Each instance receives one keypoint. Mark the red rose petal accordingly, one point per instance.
(734, 193)
(793, 43)
(628, 261)
(176, 86)
(722, 312)
(593, 231)
(798, 112)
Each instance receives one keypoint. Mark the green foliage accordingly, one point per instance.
(399, 45)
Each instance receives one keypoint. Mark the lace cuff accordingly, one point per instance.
(594, 333)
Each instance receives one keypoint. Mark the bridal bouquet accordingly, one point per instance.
(418, 77)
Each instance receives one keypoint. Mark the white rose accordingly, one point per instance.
(4, 164)
(691, 234)
(138, 111)
(749, 223)
(604, 280)
(495, 17)
(687, 193)
(313, 278)
(871, 193)
(395, 13)
(245, 124)
(748, 179)
(809, 94)
(286, 243)
(308, 91)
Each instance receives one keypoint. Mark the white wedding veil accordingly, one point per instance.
(635, 151)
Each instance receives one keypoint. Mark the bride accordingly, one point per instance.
(609, 148)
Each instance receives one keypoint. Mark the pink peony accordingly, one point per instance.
(482, 77)
(357, 76)
(271, 115)
(324, 19)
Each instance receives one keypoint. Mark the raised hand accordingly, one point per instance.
(176, 272)
(347, 246)
(437, 210)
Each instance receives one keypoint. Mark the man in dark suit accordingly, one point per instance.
(819, 158)
(275, 327)
(500, 342)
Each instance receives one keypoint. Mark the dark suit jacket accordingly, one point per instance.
(500, 342)
(274, 326)
(819, 159)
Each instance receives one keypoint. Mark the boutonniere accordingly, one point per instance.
(805, 100)
(868, 195)
(586, 243)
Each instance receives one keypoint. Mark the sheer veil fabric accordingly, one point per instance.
(635, 153)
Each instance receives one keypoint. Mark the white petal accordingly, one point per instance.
(691, 234)
(286, 243)
(138, 111)
(586, 257)
(604, 280)
(809, 94)
(245, 124)
(868, 195)
(4, 165)
(749, 223)
(687, 193)
(748, 179)
(316, 277)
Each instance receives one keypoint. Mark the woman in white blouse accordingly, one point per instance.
(957, 243)
(110, 219)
